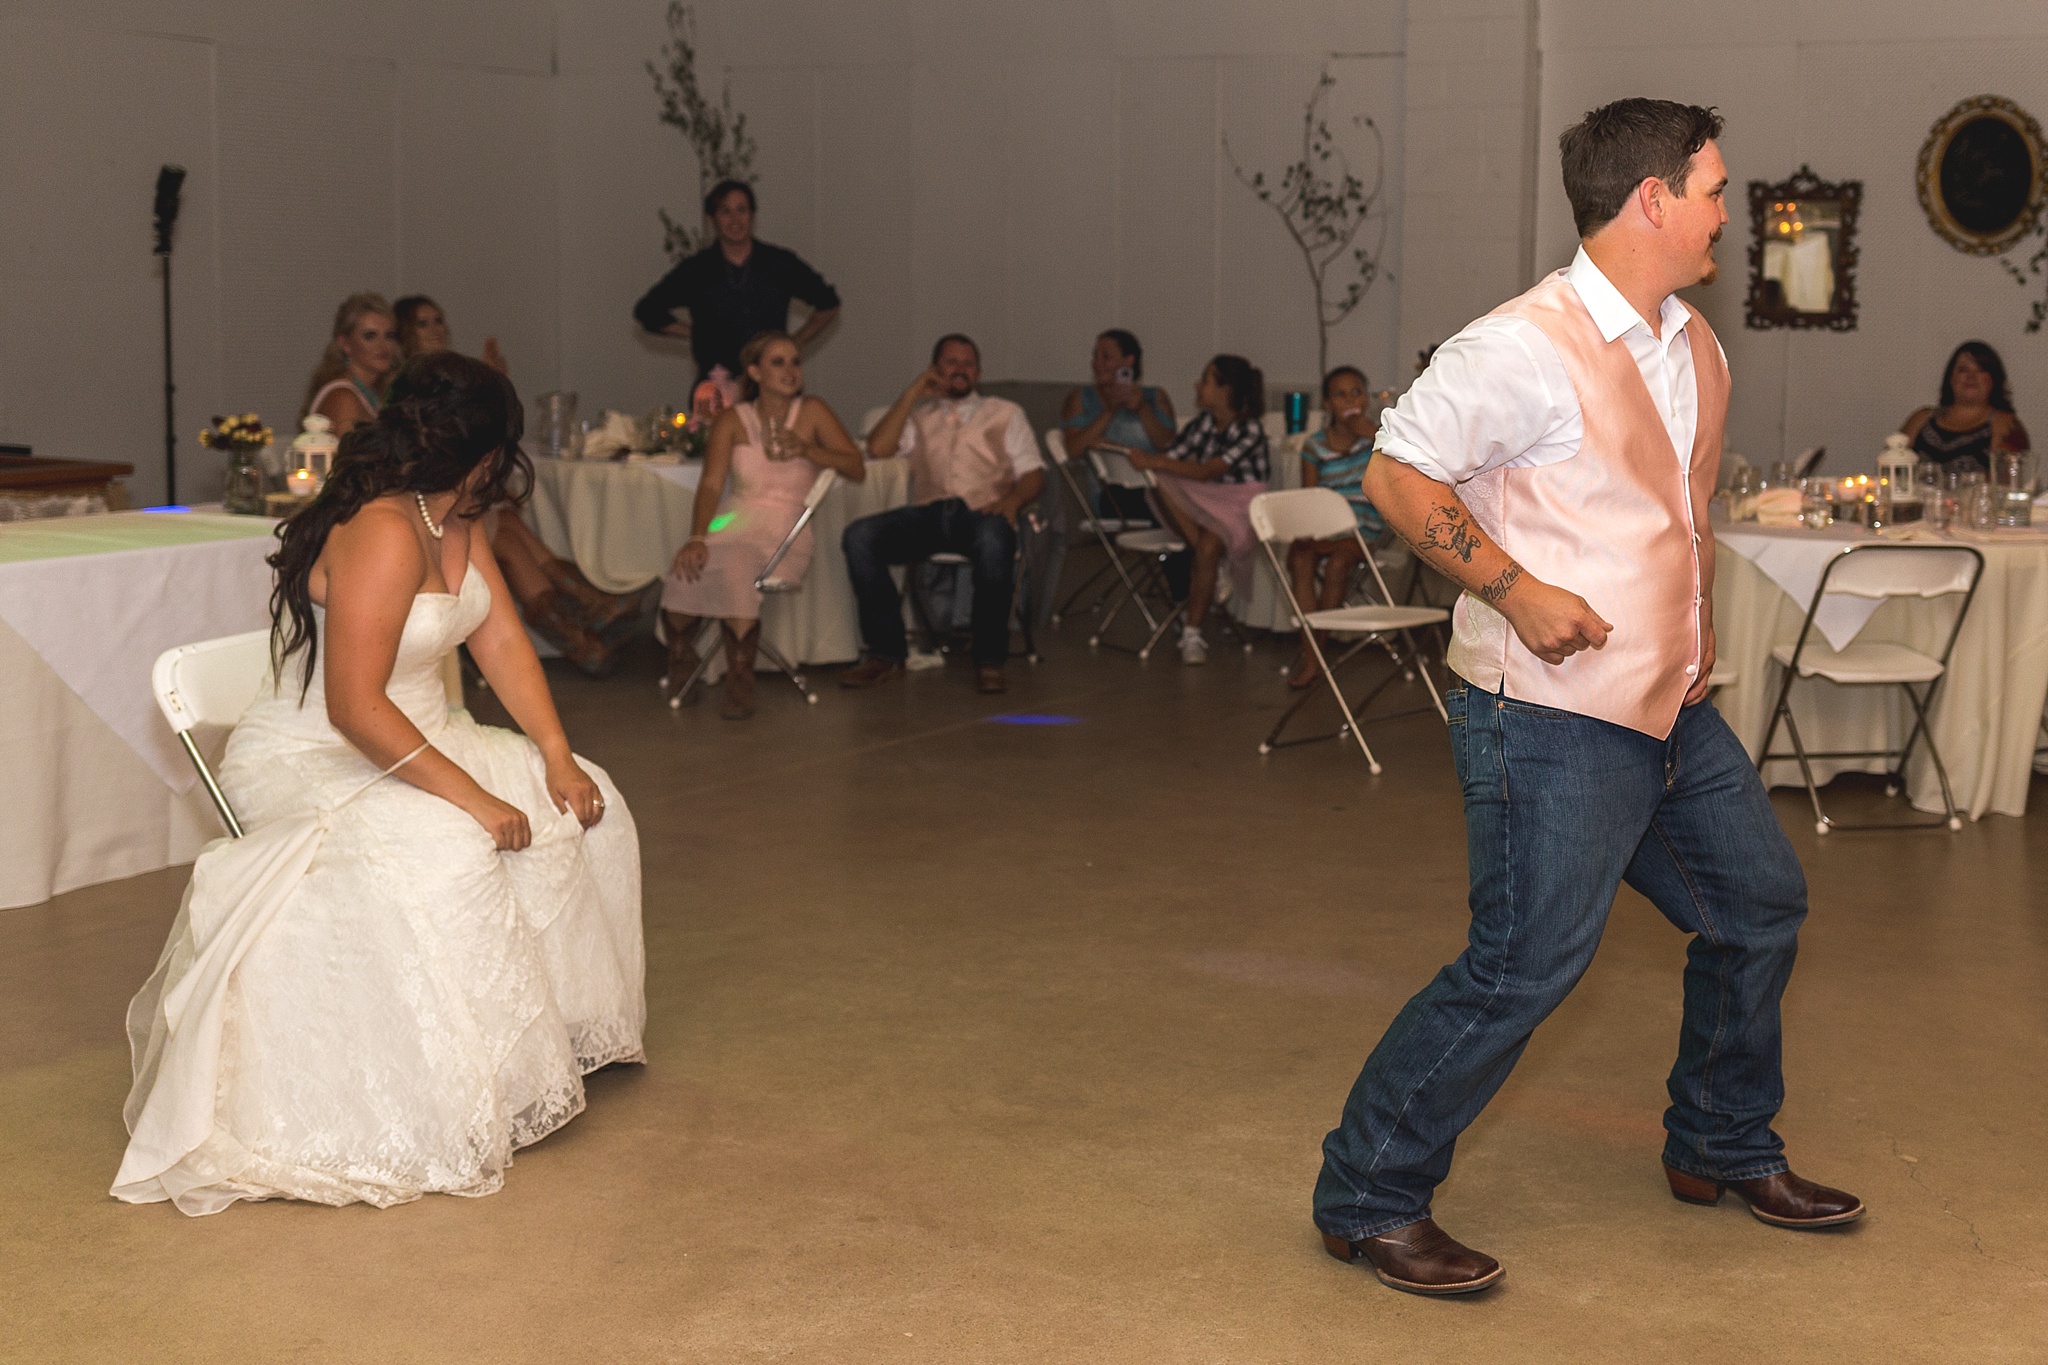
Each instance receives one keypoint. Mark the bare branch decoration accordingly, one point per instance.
(717, 133)
(1325, 207)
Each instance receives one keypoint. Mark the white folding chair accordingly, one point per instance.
(210, 684)
(1146, 550)
(1091, 522)
(1877, 571)
(768, 585)
(1280, 519)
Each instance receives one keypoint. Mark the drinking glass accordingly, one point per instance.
(1982, 500)
(1816, 503)
(1781, 474)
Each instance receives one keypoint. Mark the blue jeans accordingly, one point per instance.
(905, 535)
(1560, 809)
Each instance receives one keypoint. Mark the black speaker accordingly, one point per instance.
(169, 181)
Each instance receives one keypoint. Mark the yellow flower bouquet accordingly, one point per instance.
(240, 431)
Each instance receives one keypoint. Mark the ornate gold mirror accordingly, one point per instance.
(1982, 177)
(1802, 252)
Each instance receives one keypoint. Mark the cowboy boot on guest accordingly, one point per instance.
(739, 671)
(555, 619)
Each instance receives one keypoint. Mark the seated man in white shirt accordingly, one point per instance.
(973, 466)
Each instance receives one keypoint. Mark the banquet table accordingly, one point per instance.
(1987, 713)
(97, 787)
(621, 522)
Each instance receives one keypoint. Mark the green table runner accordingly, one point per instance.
(63, 537)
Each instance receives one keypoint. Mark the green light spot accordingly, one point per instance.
(720, 522)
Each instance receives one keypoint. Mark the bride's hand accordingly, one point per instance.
(572, 790)
(505, 823)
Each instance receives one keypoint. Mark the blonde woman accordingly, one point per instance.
(773, 445)
(348, 384)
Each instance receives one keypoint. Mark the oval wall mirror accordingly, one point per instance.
(1983, 175)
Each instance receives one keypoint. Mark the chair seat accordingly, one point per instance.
(1157, 541)
(1723, 675)
(1862, 663)
(775, 585)
(1109, 526)
(946, 557)
(1369, 620)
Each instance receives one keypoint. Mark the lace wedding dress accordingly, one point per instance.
(362, 999)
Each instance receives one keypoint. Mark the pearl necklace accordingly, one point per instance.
(435, 531)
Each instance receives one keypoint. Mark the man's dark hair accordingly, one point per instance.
(960, 337)
(722, 189)
(1618, 146)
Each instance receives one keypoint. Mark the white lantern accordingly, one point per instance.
(313, 449)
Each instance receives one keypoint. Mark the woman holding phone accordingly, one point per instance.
(1116, 410)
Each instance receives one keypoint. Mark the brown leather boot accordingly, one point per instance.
(681, 631)
(1783, 1200)
(1420, 1258)
(553, 617)
(739, 671)
(599, 610)
(871, 670)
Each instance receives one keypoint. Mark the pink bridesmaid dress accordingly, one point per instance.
(763, 498)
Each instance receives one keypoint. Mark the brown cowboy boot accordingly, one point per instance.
(739, 671)
(681, 631)
(554, 618)
(600, 610)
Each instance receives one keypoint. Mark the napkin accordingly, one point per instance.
(614, 435)
(1777, 507)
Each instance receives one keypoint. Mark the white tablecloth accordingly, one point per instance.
(1987, 714)
(623, 522)
(96, 787)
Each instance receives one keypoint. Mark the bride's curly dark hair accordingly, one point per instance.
(445, 415)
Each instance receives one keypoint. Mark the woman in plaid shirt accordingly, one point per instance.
(1209, 476)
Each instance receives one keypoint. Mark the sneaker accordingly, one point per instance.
(1193, 648)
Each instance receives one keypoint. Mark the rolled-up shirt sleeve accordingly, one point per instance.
(1019, 445)
(1496, 395)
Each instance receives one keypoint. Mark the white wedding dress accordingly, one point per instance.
(362, 999)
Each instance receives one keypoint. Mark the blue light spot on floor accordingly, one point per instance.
(169, 507)
(1033, 718)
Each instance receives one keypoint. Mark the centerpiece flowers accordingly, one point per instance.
(244, 438)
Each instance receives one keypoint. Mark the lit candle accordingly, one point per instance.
(302, 483)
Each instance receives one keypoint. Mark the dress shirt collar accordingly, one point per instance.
(1613, 314)
(962, 408)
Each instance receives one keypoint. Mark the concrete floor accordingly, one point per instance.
(979, 1042)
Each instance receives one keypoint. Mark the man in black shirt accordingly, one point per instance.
(735, 288)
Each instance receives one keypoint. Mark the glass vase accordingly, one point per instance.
(243, 491)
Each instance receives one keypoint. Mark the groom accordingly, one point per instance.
(1555, 461)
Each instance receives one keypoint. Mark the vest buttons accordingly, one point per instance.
(1692, 668)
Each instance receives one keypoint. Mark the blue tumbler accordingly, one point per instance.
(1297, 413)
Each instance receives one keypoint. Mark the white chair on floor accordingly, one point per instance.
(768, 585)
(1146, 550)
(210, 684)
(1877, 571)
(1280, 519)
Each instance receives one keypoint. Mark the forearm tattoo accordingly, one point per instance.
(1450, 529)
(1491, 593)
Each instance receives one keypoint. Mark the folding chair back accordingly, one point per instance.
(1302, 514)
(210, 684)
(766, 581)
(1114, 467)
(1902, 571)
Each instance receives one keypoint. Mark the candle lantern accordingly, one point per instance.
(312, 454)
(1896, 466)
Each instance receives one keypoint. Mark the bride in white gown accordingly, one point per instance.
(431, 931)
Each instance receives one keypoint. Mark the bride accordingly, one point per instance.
(431, 931)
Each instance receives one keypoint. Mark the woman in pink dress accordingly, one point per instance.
(772, 445)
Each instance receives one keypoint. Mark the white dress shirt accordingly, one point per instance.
(1496, 396)
(1018, 443)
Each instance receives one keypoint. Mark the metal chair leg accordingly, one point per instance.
(774, 656)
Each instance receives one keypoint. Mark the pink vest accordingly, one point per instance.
(1618, 523)
(967, 460)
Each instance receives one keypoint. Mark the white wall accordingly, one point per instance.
(1030, 173)
(1850, 87)
(331, 148)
